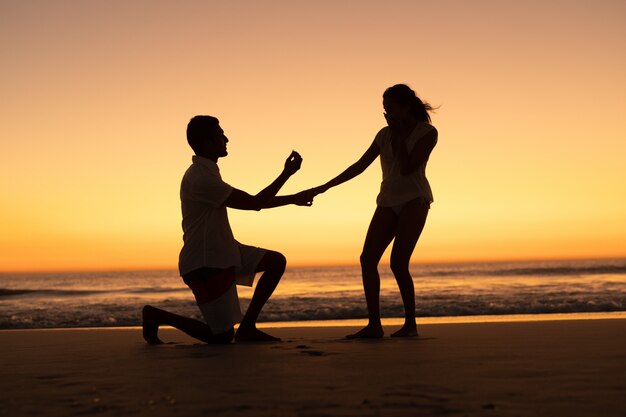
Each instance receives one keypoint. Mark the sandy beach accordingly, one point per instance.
(540, 368)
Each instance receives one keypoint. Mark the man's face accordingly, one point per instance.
(217, 141)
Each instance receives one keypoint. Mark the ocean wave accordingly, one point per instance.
(4, 292)
(538, 271)
(328, 293)
(568, 271)
(287, 309)
(10, 292)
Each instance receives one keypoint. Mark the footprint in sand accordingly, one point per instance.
(311, 352)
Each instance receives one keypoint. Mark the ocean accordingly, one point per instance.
(96, 299)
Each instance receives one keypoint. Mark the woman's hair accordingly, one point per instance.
(198, 129)
(403, 95)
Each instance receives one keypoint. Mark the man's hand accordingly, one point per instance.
(304, 198)
(293, 163)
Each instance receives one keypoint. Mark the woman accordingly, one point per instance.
(404, 147)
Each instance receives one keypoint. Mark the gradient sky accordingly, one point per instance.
(96, 96)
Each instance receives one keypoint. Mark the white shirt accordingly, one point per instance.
(396, 188)
(207, 238)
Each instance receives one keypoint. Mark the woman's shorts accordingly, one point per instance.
(422, 202)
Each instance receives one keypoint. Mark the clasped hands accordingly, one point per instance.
(303, 198)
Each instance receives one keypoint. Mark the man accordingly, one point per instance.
(211, 261)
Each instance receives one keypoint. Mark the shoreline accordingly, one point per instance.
(505, 318)
(391, 322)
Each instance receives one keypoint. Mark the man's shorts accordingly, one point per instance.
(215, 289)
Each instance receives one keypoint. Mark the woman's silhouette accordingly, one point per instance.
(404, 147)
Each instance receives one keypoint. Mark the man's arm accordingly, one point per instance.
(241, 200)
(303, 198)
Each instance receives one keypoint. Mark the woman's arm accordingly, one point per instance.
(353, 170)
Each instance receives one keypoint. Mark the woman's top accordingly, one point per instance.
(396, 188)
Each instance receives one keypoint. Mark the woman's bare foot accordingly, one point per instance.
(150, 325)
(408, 330)
(252, 334)
(371, 331)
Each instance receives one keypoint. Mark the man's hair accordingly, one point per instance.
(198, 128)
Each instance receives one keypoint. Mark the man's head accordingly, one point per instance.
(206, 137)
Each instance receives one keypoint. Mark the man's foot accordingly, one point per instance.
(408, 330)
(150, 325)
(252, 334)
(371, 331)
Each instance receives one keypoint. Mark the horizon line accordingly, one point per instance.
(314, 264)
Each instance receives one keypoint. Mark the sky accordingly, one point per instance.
(96, 96)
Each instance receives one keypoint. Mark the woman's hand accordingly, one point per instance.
(319, 190)
(293, 163)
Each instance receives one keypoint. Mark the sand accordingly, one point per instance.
(547, 368)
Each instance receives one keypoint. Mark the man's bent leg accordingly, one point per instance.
(273, 266)
(154, 317)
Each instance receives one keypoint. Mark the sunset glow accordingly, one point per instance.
(96, 97)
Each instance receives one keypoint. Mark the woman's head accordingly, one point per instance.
(401, 99)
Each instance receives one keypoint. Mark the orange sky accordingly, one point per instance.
(96, 96)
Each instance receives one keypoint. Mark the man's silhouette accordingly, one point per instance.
(211, 261)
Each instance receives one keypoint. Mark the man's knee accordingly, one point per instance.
(224, 338)
(219, 338)
(275, 261)
(280, 260)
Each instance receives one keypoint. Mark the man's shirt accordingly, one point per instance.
(207, 237)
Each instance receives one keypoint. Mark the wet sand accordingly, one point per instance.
(541, 368)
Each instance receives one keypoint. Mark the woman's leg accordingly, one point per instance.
(379, 235)
(411, 222)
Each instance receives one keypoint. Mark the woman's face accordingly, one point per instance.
(396, 114)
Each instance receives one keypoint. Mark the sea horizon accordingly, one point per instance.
(383, 263)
